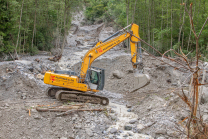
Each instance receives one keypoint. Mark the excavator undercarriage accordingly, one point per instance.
(64, 94)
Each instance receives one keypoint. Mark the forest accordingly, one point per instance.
(33, 25)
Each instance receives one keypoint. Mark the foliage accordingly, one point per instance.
(96, 9)
(39, 21)
(159, 21)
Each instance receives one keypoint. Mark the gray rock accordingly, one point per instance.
(118, 74)
(129, 110)
(31, 69)
(127, 127)
(36, 117)
(149, 124)
(112, 111)
(128, 106)
(174, 84)
(161, 67)
(113, 130)
(63, 138)
(121, 131)
(89, 132)
(118, 137)
(110, 136)
(125, 135)
(133, 121)
(78, 127)
(205, 110)
(161, 138)
(113, 117)
(130, 134)
(74, 118)
(24, 95)
(105, 132)
(140, 127)
(161, 131)
(205, 117)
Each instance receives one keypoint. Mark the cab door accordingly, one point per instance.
(97, 78)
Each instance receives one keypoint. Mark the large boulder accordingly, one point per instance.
(118, 74)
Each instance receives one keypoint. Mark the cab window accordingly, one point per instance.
(94, 77)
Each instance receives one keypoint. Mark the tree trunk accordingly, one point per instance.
(171, 27)
(149, 23)
(62, 48)
(127, 19)
(134, 12)
(16, 55)
(34, 23)
(24, 43)
(179, 35)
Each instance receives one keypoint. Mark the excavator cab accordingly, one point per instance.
(96, 78)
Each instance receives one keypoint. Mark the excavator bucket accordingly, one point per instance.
(141, 80)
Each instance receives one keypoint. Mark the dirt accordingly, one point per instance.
(150, 112)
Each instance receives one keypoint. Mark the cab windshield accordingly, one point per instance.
(94, 77)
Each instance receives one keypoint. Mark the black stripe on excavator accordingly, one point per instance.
(111, 36)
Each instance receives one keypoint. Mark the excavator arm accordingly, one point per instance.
(102, 47)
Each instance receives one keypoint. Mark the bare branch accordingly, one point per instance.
(203, 27)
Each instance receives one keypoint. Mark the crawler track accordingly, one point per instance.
(64, 94)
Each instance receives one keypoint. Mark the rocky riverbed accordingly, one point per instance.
(150, 112)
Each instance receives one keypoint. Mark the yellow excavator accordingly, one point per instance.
(79, 88)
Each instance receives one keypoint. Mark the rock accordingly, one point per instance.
(125, 135)
(105, 132)
(40, 76)
(174, 84)
(161, 131)
(24, 95)
(205, 110)
(130, 134)
(168, 80)
(133, 121)
(63, 138)
(78, 127)
(149, 124)
(113, 130)
(112, 111)
(205, 117)
(129, 110)
(113, 117)
(127, 127)
(128, 106)
(89, 132)
(121, 131)
(118, 137)
(161, 67)
(36, 117)
(161, 138)
(25, 62)
(118, 74)
(74, 118)
(140, 127)
(55, 51)
(130, 71)
(110, 136)
(31, 69)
